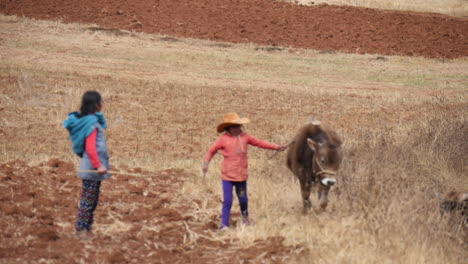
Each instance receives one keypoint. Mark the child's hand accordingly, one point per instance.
(205, 168)
(102, 170)
(282, 148)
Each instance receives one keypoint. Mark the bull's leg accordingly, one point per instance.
(323, 195)
(305, 191)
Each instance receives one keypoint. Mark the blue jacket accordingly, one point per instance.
(80, 129)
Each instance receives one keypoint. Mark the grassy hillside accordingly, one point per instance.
(403, 121)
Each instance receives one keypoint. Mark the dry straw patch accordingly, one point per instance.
(448, 7)
(403, 121)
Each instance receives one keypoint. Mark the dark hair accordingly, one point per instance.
(90, 103)
(228, 127)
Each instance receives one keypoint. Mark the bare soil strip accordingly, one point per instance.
(268, 22)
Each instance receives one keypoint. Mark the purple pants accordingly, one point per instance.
(241, 191)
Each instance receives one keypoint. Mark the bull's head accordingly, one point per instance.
(326, 160)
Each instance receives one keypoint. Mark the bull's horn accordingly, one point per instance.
(314, 121)
(328, 181)
(463, 197)
(312, 144)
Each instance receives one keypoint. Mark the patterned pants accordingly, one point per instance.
(88, 203)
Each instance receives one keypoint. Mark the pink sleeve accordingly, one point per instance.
(91, 149)
(260, 143)
(213, 149)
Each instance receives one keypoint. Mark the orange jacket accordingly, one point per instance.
(234, 166)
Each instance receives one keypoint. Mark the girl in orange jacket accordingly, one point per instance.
(233, 143)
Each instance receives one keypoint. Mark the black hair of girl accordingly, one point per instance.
(228, 127)
(90, 103)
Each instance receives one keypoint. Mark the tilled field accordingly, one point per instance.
(149, 219)
(267, 22)
(139, 220)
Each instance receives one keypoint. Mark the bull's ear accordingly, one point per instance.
(312, 144)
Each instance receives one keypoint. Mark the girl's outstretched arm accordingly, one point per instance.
(261, 144)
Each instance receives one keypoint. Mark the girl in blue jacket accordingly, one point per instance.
(86, 129)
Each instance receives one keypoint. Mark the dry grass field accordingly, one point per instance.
(403, 121)
(448, 7)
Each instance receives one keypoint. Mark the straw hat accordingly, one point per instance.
(232, 119)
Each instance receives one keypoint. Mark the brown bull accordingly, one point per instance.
(314, 157)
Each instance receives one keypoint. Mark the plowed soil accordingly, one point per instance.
(138, 220)
(267, 22)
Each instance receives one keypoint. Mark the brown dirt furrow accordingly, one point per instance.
(138, 220)
(267, 22)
